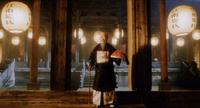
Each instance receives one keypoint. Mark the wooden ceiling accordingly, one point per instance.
(100, 13)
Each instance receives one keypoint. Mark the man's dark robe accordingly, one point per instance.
(105, 78)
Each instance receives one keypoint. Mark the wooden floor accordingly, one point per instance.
(79, 99)
(91, 106)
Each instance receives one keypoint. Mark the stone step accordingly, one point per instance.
(44, 84)
(91, 81)
(86, 85)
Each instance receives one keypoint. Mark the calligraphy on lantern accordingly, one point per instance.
(11, 15)
(176, 19)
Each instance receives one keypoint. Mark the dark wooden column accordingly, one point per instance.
(33, 84)
(48, 45)
(140, 68)
(61, 46)
(163, 85)
(26, 48)
(143, 46)
(170, 48)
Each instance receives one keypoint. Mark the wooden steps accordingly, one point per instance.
(29, 99)
(91, 106)
(51, 99)
(79, 99)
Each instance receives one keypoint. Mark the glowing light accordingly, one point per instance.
(182, 20)
(154, 41)
(83, 40)
(117, 33)
(42, 40)
(114, 40)
(97, 36)
(30, 33)
(1, 33)
(167, 34)
(180, 41)
(16, 17)
(196, 34)
(80, 33)
(15, 40)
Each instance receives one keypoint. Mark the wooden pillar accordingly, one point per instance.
(26, 49)
(170, 48)
(163, 85)
(61, 46)
(1, 53)
(139, 51)
(131, 39)
(22, 47)
(47, 30)
(6, 46)
(33, 84)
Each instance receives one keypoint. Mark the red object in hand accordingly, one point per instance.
(118, 54)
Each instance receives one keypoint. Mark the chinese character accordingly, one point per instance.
(10, 22)
(9, 16)
(9, 10)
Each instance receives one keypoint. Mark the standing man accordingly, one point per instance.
(104, 80)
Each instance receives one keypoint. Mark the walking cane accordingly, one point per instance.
(89, 87)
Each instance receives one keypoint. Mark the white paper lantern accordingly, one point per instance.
(182, 20)
(97, 36)
(80, 33)
(117, 33)
(83, 40)
(196, 34)
(154, 41)
(16, 17)
(180, 41)
(30, 33)
(1, 33)
(167, 34)
(114, 40)
(15, 40)
(42, 40)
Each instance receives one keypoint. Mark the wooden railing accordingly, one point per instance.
(189, 77)
(75, 65)
(27, 64)
(172, 66)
